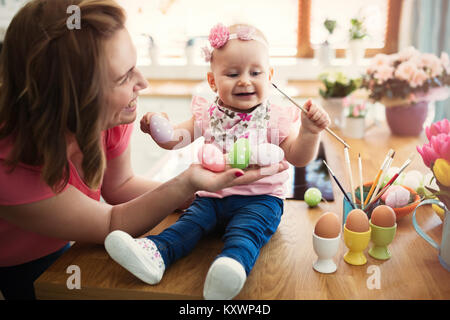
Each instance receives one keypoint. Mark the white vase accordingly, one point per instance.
(354, 128)
(154, 55)
(324, 54)
(334, 108)
(190, 52)
(356, 50)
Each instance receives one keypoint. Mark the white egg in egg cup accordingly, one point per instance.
(326, 249)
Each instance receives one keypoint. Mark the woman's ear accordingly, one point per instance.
(211, 81)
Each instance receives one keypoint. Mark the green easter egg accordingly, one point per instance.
(239, 156)
(313, 196)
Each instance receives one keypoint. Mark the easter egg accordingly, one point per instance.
(383, 216)
(328, 226)
(239, 156)
(396, 197)
(313, 196)
(266, 154)
(160, 129)
(357, 221)
(211, 158)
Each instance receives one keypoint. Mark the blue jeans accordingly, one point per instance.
(17, 282)
(249, 221)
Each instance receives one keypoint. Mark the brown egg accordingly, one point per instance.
(357, 221)
(328, 226)
(383, 216)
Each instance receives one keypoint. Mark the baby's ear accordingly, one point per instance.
(270, 73)
(212, 81)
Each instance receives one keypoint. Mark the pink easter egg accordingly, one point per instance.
(211, 158)
(161, 129)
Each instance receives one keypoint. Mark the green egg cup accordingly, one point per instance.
(381, 238)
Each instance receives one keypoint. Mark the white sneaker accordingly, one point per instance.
(224, 280)
(141, 257)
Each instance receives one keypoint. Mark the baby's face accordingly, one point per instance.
(241, 74)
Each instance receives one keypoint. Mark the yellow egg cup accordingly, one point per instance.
(381, 238)
(356, 242)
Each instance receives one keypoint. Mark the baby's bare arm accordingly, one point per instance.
(183, 133)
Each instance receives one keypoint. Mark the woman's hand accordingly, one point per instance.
(206, 180)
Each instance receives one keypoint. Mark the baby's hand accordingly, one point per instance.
(316, 119)
(145, 121)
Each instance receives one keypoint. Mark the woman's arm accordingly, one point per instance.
(71, 215)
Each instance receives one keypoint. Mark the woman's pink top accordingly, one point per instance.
(24, 185)
(212, 122)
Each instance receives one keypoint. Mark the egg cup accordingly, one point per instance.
(381, 238)
(347, 206)
(326, 249)
(356, 242)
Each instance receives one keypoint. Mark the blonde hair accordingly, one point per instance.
(234, 28)
(53, 81)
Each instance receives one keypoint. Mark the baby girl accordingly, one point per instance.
(249, 215)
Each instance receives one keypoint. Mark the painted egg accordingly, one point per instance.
(397, 197)
(357, 221)
(312, 197)
(266, 154)
(239, 156)
(211, 158)
(328, 226)
(383, 216)
(161, 129)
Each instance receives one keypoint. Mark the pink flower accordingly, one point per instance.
(418, 78)
(356, 111)
(436, 128)
(405, 70)
(218, 36)
(245, 32)
(384, 73)
(429, 155)
(379, 60)
(407, 53)
(441, 144)
(432, 63)
(206, 53)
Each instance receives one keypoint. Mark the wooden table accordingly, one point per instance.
(284, 268)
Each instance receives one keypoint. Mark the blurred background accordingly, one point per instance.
(307, 38)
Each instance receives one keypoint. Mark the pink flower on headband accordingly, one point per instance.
(245, 32)
(218, 36)
(206, 53)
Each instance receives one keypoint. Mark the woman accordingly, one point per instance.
(68, 99)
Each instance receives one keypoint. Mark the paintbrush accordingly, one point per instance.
(383, 176)
(375, 182)
(349, 172)
(361, 188)
(407, 162)
(303, 109)
(339, 185)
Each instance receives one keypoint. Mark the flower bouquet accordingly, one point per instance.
(336, 87)
(436, 156)
(405, 82)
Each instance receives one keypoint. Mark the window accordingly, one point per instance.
(382, 19)
(292, 27)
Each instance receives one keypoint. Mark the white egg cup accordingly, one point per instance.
(326, 249)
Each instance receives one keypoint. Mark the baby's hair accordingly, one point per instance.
(234, 29)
